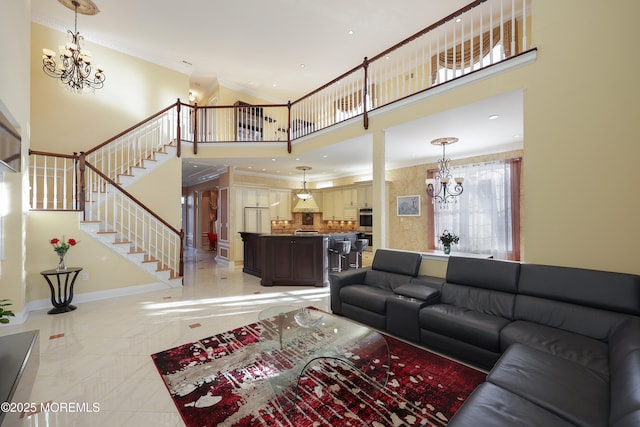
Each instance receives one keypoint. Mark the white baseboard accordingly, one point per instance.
(225, 262)
(42, 304)
(20, 317)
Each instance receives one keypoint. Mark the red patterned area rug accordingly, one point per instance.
(222, 381)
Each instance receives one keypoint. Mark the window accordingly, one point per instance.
(487, 214)
(351, 105)
(496, 54)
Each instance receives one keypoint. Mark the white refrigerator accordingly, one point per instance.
(257, 220)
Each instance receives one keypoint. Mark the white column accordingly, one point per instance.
(380, 202)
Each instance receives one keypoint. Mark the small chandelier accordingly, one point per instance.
(74, 67)
(304, 194)
(443, 188)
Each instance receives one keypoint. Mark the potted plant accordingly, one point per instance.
(447, 240)
(4, 314)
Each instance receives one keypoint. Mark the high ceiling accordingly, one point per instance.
(280, 50)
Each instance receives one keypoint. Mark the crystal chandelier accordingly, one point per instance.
(74, 67)
(443, 188)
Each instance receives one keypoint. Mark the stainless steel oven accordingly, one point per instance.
(365, 219)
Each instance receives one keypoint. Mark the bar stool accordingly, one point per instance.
(359, 246)
(342, 248)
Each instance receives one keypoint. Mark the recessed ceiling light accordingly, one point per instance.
(350, 32)
(493, 116)
(273, 160)
(301, 65)
(459, 20)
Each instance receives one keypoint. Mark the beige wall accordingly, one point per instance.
(14, 102)
(581, 150)
(105, 268)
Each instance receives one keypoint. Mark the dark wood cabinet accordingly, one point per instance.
(253, 253)
(295, 260)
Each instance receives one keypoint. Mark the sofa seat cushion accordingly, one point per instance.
(585, 351)
(493, 406)
(368, 297)
(565, 388)
(473, 327)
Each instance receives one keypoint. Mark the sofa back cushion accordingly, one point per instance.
(602, 289)
(385, 280)
(588, 321)
(483, 273)
(407, 263)
(485, 301)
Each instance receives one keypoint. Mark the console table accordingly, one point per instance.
(62, 294)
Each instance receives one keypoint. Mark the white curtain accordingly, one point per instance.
(482, 216)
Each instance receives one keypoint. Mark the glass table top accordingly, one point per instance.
(298, 343)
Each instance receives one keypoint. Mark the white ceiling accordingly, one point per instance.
(258, 47)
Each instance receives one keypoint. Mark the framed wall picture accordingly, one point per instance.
(408, 205)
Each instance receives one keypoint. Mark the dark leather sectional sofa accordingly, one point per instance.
(562, 345)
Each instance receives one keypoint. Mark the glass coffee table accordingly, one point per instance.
(298, 344)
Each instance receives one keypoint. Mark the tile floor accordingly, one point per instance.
(100, 353)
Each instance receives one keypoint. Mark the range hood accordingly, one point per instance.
(306, 205)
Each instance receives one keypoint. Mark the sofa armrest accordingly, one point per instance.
(419, 292)
(339, 280)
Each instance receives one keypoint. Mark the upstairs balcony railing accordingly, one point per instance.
(480, 35)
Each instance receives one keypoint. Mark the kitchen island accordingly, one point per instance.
(290, 259)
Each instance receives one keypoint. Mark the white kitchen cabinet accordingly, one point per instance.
(365, 198)
(280, 205)
(255, 197)
(350, 197)
(257, 220)
(332, 205)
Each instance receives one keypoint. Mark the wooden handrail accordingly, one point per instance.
(45, 153)
(428, 29)
(326, 85)
(392, 48)
(124, 132)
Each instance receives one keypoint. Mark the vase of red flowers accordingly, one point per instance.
(61, 247)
